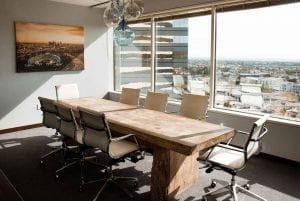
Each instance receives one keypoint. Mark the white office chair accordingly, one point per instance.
(69, 129)
(50, 120)
(66, 91)
(179, 86)
(194, 106)
(156, 101)
(130, 96)
(232, 159)
(97, 134)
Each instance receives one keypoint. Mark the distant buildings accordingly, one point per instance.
(242, 85)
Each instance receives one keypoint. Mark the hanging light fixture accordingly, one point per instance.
(123, 34)
(112, 14)
(132, 10)
(116, 15)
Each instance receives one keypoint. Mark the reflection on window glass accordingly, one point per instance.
(133, 63)
(258, 61)
(182, 56)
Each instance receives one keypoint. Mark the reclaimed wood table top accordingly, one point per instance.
(96, 104)
(174, 132)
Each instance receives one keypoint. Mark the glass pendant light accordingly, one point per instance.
(123, 34)
(140, 4)
(113, 13)
(117, 8)
(109, 19)
(132, 10)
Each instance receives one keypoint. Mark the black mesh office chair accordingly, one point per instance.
(97, 134)
(232, 159)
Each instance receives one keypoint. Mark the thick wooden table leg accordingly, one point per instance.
(171, 173)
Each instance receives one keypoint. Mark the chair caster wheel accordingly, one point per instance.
(135, 184)
(204, 199)
(57, 176)
(41, 162)
(213, 184)
(246, 186)
(81, 189)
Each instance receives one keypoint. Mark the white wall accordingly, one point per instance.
(19, 91)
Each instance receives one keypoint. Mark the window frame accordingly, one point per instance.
(205, 9)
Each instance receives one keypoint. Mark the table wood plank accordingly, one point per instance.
(177, 133)
(96, 104)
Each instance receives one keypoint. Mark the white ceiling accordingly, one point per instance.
(84, 2)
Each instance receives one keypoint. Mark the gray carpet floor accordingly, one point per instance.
(19, 159)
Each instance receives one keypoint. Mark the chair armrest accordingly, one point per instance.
(231, 148)
(242, 132)
(125, 137)
(263, 134)
(122, 137)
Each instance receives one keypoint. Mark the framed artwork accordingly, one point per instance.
(48, 47)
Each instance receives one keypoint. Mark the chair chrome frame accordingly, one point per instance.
(68, 121)
(99, 125)
(259, 128)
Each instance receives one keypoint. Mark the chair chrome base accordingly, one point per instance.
(67, 164)
(57, 172)
(113, 180)
(233, 189)
(54, 150)
(50, 154)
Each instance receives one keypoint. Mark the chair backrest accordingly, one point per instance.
(68, 124)
(66, 91)
(156, 101)
(130, 96)
(178, 81)
(253, 144)
(96, 130)
(178, 84)
(194, 106)
(50, 119)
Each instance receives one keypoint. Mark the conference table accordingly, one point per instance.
(175, 140)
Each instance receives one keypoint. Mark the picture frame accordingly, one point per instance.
(48, 47)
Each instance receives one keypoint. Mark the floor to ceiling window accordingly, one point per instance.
(258, 61)
(182, 56)
(132, 64)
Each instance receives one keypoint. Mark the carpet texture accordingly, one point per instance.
(19, 160)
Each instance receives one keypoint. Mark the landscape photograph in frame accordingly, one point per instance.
(49, 47)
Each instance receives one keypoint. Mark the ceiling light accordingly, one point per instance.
(116, 15)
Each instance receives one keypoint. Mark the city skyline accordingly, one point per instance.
(27, 32)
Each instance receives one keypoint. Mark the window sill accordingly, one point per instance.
(255, 116)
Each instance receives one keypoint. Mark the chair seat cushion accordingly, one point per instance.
(118, 149)
(224, 157)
